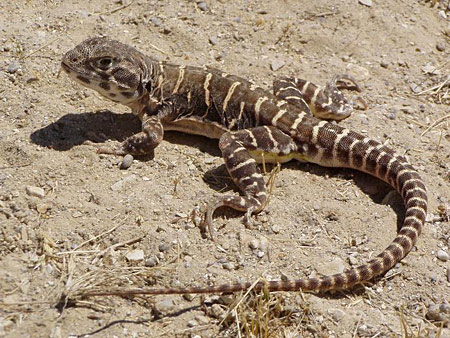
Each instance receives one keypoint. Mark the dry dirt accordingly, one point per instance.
(79, 230)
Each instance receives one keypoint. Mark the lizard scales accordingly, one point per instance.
(251, 125)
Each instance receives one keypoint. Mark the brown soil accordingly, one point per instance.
(398, 50)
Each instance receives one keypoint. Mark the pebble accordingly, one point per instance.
(359, 72)
(189, 297)
(202, 320)
(42, 208)
(260, 254)
(335, 266)
(156, 21)
(164, 305)
(415, 88)
(119, 184)
(213, 40)
(384, 64)
(352, 260)
(135, 255)
(127, 161)
(254, 244)
(442, 255)
(439, 313)
(163, 247)
(442, 14)
(192, 323)
(367, 3)
(35, 191)
(228, 266)
(448, 274)
(336, 314)
(152, 262)
(440, 46)
(77, 214)
(277, 64)
(202, 6)
(217, 311)
(276, 228)
(13, 67)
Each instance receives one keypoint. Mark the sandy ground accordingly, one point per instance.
(72, 220)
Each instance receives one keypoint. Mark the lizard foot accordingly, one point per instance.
(249, 205)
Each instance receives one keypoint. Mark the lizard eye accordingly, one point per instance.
(105, 63)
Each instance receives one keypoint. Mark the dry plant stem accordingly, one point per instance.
(437, 122)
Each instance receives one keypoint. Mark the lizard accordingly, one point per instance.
(251, 125)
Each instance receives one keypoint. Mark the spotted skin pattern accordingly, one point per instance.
(252, 125)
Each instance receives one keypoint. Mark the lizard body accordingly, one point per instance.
(252, 125)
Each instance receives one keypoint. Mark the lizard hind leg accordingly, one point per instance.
(242, 150)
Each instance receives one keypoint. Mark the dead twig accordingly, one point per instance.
(437, 122)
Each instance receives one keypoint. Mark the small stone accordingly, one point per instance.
(42, 208)
(359, 72)
(352, 260)
(192, 323)
(213, 40)
(260, 254)
(277, 64)
(448, 274)
(13, 67)
(156, 21)
(436, 314)
(77, 214)
(415, 88)
(254, 244)
(117, 186)
(275, 228)
(127, 161)
(440, 46)
(226, 299)
(189, 297)
(367, 3)
(442, 14)
(163, 247)
(430, 69)
(264, 244)
(228, 266)
(164, 305)
(202, 320)
(384, 64)
(202, 6)
(135, 255)
(442, 255)
(35, 191)
(218, 311)
(152, 262)
(336, 314)
(335, 266)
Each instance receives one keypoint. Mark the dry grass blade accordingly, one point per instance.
(435, 123)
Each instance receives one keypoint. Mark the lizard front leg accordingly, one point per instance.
(241, 151)
(144, 142)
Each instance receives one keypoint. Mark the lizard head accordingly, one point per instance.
(113, 69)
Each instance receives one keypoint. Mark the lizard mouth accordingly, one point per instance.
(65, 67)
